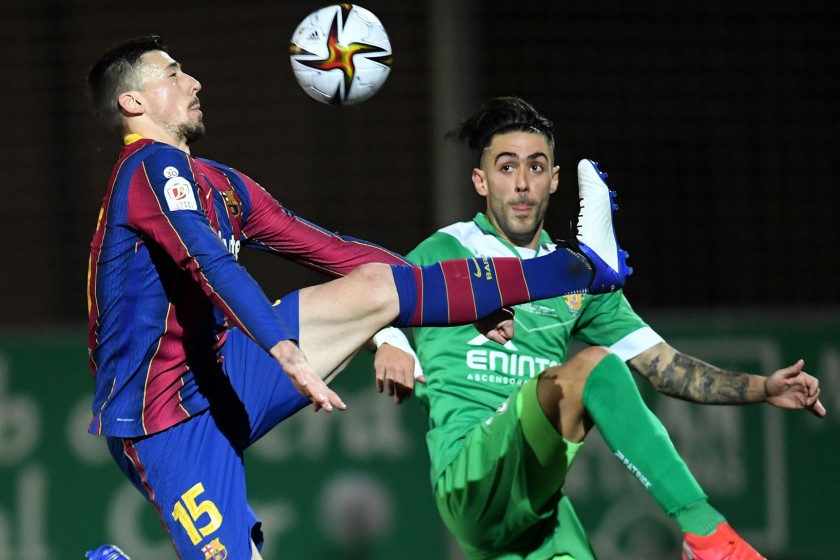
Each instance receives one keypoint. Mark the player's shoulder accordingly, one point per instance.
(601, 299)
(610, 303)
(466, 234)
(239, 180)
(163, 161)
(160, 150)
(145, 161)
(216, 165)
(444, 244)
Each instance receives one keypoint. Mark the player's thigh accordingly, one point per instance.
(260, 395)
(338, 317)
(547, 454)
(195, 479)
(485, 496)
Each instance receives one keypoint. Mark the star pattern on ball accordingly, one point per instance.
(341, 57)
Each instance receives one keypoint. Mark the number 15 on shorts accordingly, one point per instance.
(195, 511)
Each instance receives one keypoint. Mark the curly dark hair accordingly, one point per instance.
(498, 116)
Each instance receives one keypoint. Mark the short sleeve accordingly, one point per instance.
(609, 320)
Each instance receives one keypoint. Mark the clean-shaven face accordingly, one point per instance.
(171, 97)
(517, 178)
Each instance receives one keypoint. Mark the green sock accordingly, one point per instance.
(699, 518)
(640, 442)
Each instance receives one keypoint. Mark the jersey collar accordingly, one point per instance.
(132, 138)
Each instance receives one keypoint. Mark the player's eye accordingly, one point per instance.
(537, 167)
(507, 167)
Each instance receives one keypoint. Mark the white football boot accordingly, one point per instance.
(595, 231)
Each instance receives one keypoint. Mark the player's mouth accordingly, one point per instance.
(521, 209)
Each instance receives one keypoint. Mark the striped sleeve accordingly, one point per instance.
(271, 227)
(165, 205)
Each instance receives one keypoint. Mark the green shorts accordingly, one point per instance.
(501, 495)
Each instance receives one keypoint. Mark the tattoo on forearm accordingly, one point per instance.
(688, 378)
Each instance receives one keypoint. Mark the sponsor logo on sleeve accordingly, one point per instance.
(179, 194)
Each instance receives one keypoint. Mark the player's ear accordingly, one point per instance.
(479, 180)
(131, 104)
(555, 178)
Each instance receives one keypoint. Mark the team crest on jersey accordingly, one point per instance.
(179, 194)
(573, 302)
(231, 202)
(214, 551)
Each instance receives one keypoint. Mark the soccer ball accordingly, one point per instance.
(340, 54)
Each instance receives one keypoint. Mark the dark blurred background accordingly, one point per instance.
(717, 122)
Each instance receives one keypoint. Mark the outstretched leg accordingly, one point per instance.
(336, 318)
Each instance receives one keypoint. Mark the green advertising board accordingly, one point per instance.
(354, 484)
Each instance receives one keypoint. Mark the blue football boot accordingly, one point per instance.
(596, 238)
(106, 552)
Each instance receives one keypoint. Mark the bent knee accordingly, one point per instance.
(578, 368)
(377, 279)
(593, 355)
(373, 272)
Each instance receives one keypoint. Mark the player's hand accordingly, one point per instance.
(498, 326)
(793, 388)
(306, 381)
(395, 372)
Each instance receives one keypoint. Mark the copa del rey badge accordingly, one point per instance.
(179, 194)
(214, 551)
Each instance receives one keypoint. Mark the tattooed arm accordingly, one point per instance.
(687, 378)
(684, 377)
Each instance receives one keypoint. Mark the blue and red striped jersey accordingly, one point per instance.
(163, 281)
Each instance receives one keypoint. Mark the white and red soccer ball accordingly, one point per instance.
(340, 54)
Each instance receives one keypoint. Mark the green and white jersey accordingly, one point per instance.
(469, 377)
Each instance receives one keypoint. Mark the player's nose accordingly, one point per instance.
(194, 86)
(521, 183)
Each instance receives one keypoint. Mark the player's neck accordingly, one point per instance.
(154, 132)
(532, 244)
(524, 242)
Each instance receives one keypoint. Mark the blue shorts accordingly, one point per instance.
(194, 472)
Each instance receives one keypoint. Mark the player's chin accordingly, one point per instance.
(524, 225)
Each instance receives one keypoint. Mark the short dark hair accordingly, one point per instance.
(500, 115)
(115, 73)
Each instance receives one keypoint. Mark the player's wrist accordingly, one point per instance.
(395, 337)
(282, 348)
(765, 390)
